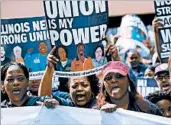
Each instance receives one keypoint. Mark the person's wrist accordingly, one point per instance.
(50, 65)
(155, 29)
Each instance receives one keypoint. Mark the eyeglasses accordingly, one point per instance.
(161, 77)
(110, 76)
(19, 78)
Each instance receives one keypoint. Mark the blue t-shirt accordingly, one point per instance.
(36, 62)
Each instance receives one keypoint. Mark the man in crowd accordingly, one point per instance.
(34, 86)
(163, 78)
(133, 59)
(81, 62)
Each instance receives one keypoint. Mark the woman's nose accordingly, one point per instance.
(16, 83)
(113, 78)
(80, 88)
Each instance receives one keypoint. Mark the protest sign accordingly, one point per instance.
(25, 40)
(77, 28)
(77, 116)
(146, 86)
(163, 11)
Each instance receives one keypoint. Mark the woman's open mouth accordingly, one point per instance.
(116, 89)
(80, 97)
(16, 91)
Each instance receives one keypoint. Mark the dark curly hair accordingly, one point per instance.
(158, 96)
(63, 47)
(94, 84)
(7, 65)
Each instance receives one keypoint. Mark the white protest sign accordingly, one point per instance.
(74, 116)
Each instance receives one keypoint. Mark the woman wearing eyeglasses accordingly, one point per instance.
(118, 90)
(15, 80)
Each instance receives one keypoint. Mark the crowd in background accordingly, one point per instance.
(130, 53)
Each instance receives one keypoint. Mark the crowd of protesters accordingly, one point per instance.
(128, 55)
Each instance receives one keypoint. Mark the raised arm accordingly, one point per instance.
(156, 24)
(45, 88)
(112, 51)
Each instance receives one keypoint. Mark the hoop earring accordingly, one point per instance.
(3, 90)
(129, 88)
(27, 88)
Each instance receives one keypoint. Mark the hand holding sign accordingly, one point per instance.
(52, 60)
(109, 108)
(112, 49)
(157, 22)
(50, 103)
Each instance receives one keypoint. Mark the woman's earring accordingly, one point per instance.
(129, 89)
(3, 90)
(27, 88)
(92, 95)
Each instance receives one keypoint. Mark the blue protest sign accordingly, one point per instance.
(77, 28)
(25, 40)
(146, 86)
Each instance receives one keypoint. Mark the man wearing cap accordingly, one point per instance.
(163, 78)
(82, 62)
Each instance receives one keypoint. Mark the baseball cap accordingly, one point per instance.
(115, 66)
(161, 68)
